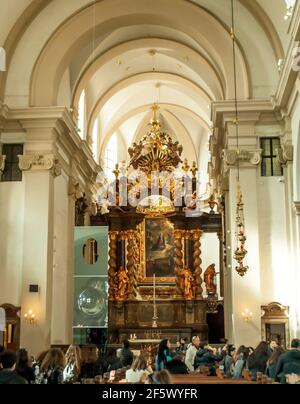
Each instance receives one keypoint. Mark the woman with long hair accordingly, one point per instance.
(51, 370)
(272, 362)
(73, 364)
(257, 362)
(240, 362)
(24, 366)
(164, 354)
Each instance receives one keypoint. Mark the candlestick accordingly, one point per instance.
(154, 323)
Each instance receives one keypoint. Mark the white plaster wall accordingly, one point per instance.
(62, 279)
(11, 241)
(295, 122)
(274, 260)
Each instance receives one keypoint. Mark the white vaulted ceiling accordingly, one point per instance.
(126, 54)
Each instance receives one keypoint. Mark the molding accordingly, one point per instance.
(2, 164)
(285, 154)
(245, 157)
(297, 208)
(40, 162)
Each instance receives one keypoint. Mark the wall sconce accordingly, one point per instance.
(247, 315)
(30, 317)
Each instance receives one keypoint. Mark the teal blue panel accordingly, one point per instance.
(91, 302)
(91, 251)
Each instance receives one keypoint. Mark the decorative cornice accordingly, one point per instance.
(40, 162)
(2, 164)
(297, 208)
(245, 157)
(285, 154)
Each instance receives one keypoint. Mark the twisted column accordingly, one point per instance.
(196, 234)
(178, 237)
(112, 263)
(131, 263)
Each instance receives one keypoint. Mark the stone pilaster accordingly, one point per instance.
(2, 164)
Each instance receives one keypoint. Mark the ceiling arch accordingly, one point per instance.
(78, 30)
(19, 17)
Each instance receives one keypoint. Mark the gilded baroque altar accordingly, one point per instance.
(159, 236)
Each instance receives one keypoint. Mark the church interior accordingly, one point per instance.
(150, 185)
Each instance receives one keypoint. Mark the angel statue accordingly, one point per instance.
(122, 283)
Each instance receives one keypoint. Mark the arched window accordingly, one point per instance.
(95, 140)
(111, 156)
(81, 114)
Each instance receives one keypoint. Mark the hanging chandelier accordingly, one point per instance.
(240, 251)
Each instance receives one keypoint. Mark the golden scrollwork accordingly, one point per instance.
(121, 285)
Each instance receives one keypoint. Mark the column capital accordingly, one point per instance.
(297, 208)
(40, 162)
(285, 154)
(246, 158)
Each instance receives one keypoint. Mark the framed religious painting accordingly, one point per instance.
(158, 250)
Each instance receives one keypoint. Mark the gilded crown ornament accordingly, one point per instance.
(156, 151)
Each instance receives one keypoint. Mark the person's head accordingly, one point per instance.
(139, 363)
(262, 349)
(231, 350)
(126, 344)
(22, 359)
(196, 341)
(178, 343)
(54, 359)
(183, 341)
(162, 377)
(295, 344)
(277, 352)
(273, 345)
(73, 355)
(8, 360)
(243, 352)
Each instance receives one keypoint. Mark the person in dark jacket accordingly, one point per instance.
(208, 357)
(257, 362)
(7, 373)
(292, 357)
(126, 355)
(24, 366)
(272, 362)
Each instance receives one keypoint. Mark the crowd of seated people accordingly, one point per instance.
(81, 364)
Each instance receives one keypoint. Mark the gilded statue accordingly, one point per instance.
(122, 283)
(186, 283)
(209, 279)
